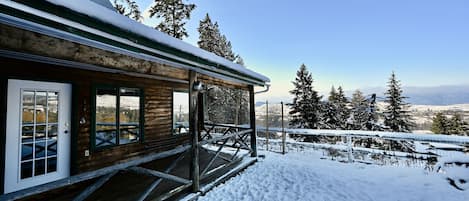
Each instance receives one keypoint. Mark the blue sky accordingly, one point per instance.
(355, 44)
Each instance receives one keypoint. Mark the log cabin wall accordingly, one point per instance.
(157, 111)
(157, 93)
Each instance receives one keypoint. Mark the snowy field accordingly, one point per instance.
(304, 176)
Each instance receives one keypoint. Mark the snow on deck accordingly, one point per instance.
(304, 176)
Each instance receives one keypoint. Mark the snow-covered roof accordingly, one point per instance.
(111, 22)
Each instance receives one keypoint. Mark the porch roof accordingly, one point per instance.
(91, 22)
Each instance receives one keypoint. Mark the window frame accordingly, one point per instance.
(172, 110)
(93, 115)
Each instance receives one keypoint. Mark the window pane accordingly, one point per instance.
(52, 131)
(28, 107)
(106, 101)
(40, 149)
(41, 106)
(52, 105)
(26, 151)
(26, 170)
(51, 147)
(51, 164)
(39, 167)
(180, 112)
(27, 133)
(40, 132)
(129, 115)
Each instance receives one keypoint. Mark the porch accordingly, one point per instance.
(224, 151)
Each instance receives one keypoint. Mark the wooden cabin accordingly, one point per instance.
(85, 91)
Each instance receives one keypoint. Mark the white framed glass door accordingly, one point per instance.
(38, 140)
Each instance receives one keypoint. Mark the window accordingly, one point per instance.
(180, 113)
(118, 118)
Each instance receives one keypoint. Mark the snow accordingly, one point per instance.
(109, 16)
(304, 176)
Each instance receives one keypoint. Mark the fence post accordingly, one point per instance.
(267, 125)
(349, 148)
(283, 132)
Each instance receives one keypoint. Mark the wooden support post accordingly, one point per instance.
(283, 132)
(267, 125)
(252, 118)
(193, 123)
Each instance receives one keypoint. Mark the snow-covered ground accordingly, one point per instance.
(304, 176)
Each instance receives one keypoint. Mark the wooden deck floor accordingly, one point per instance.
(128, 185)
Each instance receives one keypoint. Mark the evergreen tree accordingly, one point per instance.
(457, 125)
(208, 35)
(343, 111)
(239, 60)
(305, 109)
(440, 124)
(330, 115)
(173, 14)
(359, 112)
(212, 40)
(227, 49)
(396, 116)
(128, 8)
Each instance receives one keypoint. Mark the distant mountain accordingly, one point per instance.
(441, 95)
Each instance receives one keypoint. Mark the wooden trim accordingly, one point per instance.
(3, 114)
(74, 130)
(93, 115)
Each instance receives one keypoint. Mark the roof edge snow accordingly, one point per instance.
(93, 21)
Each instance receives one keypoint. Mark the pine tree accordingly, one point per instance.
(396, 116)
(330, 116)
(372, 114)
(305, 109)
(128, 8)
(440, 124)
(208, 35)
(212, 40)
(359, 112)
(457, 125)
(343, 111)
(239, 60)
(173, 14)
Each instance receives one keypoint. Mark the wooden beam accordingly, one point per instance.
(91, 189)
(252, 118)
(89, 175)
(225, 137)
(193, 122)
(163, 175)
(158, 181)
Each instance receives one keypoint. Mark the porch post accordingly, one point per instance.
(194, 132)
(252, 118)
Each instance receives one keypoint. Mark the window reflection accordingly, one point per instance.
(129, 115)
(106, 101)
(117, 116)
(180, 113)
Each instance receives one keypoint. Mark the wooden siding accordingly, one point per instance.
(157, 109)
(157, 99)
(15, 39)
